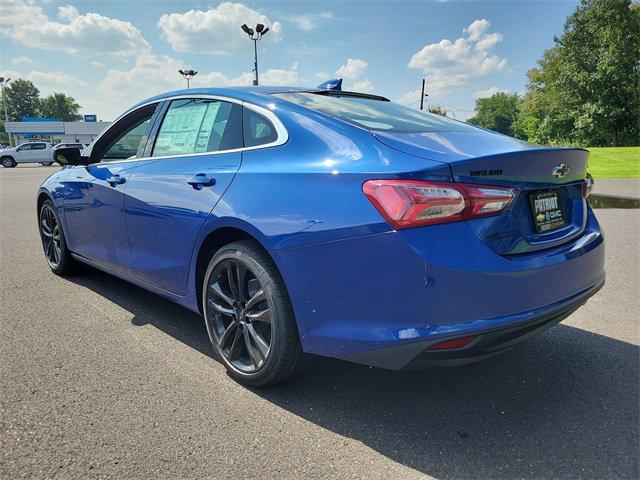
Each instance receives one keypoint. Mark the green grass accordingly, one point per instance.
(614, 162)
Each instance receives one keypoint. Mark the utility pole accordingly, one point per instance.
(255, 35)
(422, 95)
(4, 104)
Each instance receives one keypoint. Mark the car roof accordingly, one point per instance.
(248, 93)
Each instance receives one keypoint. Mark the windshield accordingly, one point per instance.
(377, 115)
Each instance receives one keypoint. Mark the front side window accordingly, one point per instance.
(199, 126)
(258, 130)
(26, 146)
(375, 114)
(127, 145)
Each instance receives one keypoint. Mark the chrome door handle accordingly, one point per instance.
(115, 180)
(201, 180)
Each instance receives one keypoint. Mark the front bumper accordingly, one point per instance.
(488, 343)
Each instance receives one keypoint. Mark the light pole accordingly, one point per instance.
(4, 104)
(255, 35)
(188, 75)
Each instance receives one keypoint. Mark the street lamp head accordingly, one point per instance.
(1, 79)
(264, 32)
(181, 72)
(259, 27)
(247, 30)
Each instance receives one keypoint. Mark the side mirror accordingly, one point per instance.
(69, 156)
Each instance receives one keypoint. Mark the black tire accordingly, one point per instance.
(8, 162)
(54, 243)
(46, 164)
(260, 310)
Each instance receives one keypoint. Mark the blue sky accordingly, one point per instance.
(111, 54)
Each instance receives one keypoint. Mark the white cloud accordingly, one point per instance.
(364, 86)
(309, 21)
(451, 64)
(323, 76)
(87, 35)
(488, 92)
(95, 64)
(352, 69)
(410, 98)
(215, 31)
(280, 77)
(54, 80)
(154, 74)
(22, 61)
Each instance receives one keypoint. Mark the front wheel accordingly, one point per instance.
(249, 316)
(8, 162)
(53, 241)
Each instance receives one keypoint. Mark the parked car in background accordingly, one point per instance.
(29, 152)
(329, 222)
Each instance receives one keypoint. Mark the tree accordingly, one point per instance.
(497, 112)
(586, 89)
(438, 110)
(60, 106)
(22, 98)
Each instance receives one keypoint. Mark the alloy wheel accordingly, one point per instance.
(241, 317)
(51, 236)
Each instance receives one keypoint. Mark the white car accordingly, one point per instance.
(30, 152)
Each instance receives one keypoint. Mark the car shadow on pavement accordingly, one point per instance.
(562, 405)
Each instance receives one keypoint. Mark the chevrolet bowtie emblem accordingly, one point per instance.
(560, 171)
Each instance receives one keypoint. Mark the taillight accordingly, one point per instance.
(451, 344)
(587, 185)
(409, 203)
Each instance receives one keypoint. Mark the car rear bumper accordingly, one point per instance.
(487, 343)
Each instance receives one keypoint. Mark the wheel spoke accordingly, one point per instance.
(241, 272)
(236, 346)
(217, 290)
(57, 253)
(225, 311)
(263, 348)
(46, 231)
(231, 278)
(261, 316)
(229, 333)
(257, 297)
(254, 353)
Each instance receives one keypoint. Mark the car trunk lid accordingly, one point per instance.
(548, 180)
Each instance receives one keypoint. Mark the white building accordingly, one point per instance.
(53, 131)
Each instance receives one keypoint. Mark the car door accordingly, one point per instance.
(190, 161)
(23, 153)
(39, 152)
(94, 194)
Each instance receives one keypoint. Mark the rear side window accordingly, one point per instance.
(199, 126)
(375, 114)
(258, 130)
(39, 146)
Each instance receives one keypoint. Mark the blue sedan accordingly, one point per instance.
(329, 222)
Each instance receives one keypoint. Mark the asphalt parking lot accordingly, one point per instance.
(102, 379)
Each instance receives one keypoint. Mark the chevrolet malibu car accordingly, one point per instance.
(327, 222)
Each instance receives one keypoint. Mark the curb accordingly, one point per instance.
(613, 201)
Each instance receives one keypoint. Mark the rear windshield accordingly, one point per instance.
(377, 115)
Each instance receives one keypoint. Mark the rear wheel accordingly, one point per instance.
(249, 316)
(46, 164)
(53, 240)
(8, 162)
